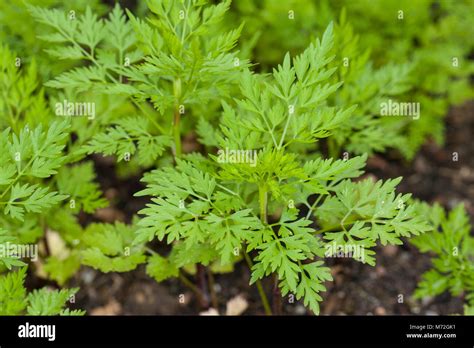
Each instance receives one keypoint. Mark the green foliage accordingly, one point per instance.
(35, 179)
(22, 98)
(440, 54)
(161, 268)
(12, 293)
(23, 38)
(107, 45)
(469, 308)
(375, 212)
(251, 204)
(31, 154)
(100, 51)
(389, 32)
(108, 248)
(129, 136)
(452, 248)
(184, 54)
(368, 87)
(7, 260)
(78, 181)
(173, 61)
(14, 299)
(61, 269)
(239, 164)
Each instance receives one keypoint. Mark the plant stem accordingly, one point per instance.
(190, 285)
(333, 149)
(261, 292)
(212, 290)
(146, 113)
(262, 198)
(276, 301)
(177, 133)
(342, 225)
(47, 249)
(182, 278)
(202, 284)
(177, 118)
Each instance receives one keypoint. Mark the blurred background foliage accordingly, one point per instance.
(437, 37)
(421, 51)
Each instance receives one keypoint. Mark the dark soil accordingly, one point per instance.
(360, 289)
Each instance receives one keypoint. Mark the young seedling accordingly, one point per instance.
(452, 247)
(250, 202)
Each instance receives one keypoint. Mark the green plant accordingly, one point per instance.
(452, 249)
(173, 61)
(368, 87)
(23, 100)
(219, 209)
(26, 159)
(23, 39)
(158, 70)
(440, 53)
(14, 299)
(434, 37)
(36, 177)
(240, 165)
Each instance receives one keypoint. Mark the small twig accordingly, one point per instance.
(47, 249)
(190, 285)
(261, 292)
(276, 303)
(202, 285)
(212, 290)
(182, 278)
